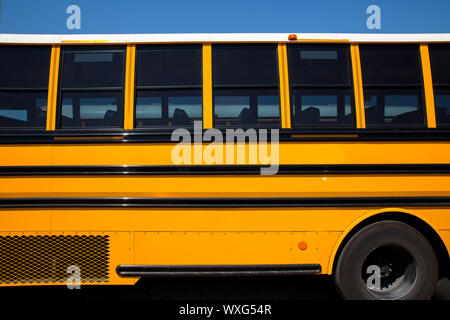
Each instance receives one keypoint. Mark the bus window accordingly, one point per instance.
(440, 70)
(168, 85)
(392, 85)
(320, 85)
(91, 87)
(90, 109)
(24, 74)
(245, 86)
(442, 104)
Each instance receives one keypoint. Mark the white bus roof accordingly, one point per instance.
(219, 37)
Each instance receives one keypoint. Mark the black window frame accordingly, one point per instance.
(165, 89)
(385, 87)
(304, 127)
(121, 89)
(18, 90)
(438, 86)
(251, 87)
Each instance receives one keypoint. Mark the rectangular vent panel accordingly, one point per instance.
(45, 259)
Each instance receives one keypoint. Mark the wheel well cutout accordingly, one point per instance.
(424, 228)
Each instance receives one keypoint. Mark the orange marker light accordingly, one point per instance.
(292, 37)
(302, 245)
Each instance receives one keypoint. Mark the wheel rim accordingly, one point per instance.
(389, 272)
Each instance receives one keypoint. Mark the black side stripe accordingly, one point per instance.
(225, 169)
(224, 202)
(164, 135)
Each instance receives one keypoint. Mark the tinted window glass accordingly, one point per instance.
(268, 108)
(390, 64)
(442, 103)
(24, 67)
(440, 70)
(440, 63)
(97, 74)
(318, 64)
(400, 107)
(320, 82)
(245, 81)
(23, 109)
(169, 81)
(24, 76)
(168, 107)
(321, 106)
(88, 67)
(169, 65)
(246, 107)
(245, 65)
(91, 109)
(148, 111)
(191, 105)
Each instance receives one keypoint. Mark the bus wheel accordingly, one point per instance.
(387, 260)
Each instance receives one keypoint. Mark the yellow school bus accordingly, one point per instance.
(129, 156)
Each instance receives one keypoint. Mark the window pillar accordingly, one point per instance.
(428, 85)
(53, 88)
(129, 87)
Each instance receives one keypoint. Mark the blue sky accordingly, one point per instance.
(230, 16)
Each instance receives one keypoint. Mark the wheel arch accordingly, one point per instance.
(420, 223)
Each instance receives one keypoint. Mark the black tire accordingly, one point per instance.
(406, 263)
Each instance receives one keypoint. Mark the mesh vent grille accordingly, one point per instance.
(45, 259)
